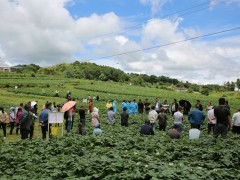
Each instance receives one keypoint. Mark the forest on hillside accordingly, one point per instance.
(92, 71)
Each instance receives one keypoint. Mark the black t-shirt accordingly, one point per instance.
(221, 113)
(82, 113)
(140, 105)
(147, 104)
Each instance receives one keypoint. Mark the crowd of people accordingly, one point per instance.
(158, 117)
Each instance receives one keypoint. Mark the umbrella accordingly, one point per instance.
(33, 103)
(181, 103)
(68, 105)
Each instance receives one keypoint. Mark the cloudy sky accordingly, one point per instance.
(117, 32)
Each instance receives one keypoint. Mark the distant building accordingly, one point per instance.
(181, 89)
(8, 69)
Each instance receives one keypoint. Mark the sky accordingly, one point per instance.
(154, 37)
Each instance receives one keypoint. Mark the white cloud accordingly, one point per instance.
(155, 5)
(43, 32)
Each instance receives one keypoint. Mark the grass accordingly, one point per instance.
(83, 88)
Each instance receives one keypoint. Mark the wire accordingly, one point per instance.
(134, 27)
(168, 44)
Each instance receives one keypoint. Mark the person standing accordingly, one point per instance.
(109, 104)
(3, 121)
(111, 116)
(25, 121)
(90, 106)
(124, 117)
(135, 106)
(34, 116)
(82, 115)
(43, 119)
(147, 106)
(18, 116)
(124, 104)
(162, 117)
(114, 105)
(178, 119)
(152, 116)
(196, 118)
(223, 117)
(236, 122)
(186, 108)
(174, 106)
(209, 106)
(157, 106)
(70, 119)
(140, 106)
(198, 105)
(211, 120)
(12, 119)
(95, 117)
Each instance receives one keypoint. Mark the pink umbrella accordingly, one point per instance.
(68, 105)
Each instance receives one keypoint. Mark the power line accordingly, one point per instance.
(168, 44)
(137, 26)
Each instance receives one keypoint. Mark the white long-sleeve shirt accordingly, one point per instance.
(236, 119)
(152, 116)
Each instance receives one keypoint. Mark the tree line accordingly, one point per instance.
(92, 71)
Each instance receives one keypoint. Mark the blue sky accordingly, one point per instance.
(62, 31)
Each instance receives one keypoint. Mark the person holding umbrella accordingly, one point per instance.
(68, 107)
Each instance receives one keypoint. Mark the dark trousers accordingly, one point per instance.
(17, 129)
(24, 133)
(11, 127)
(220, 129)
(3, 125)
(31, 131)
(236, 129)
(83, 121)
(124, 124)
(162, 127)
(211, 127)
(44, 131)
(140, 111)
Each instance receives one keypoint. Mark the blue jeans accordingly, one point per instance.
(69, 126)
(83, 121)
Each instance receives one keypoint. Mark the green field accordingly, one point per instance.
(118, 153)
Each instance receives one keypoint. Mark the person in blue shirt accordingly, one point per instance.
(196, 118)
(97, 129)
(43, 120)
(124, 104)
(114, 105)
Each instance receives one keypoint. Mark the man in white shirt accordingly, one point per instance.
(152, 116)
(178, 119)
(194, 133)
(211, 120)
(236, 122)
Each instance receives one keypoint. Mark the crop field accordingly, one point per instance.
(119, 152)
